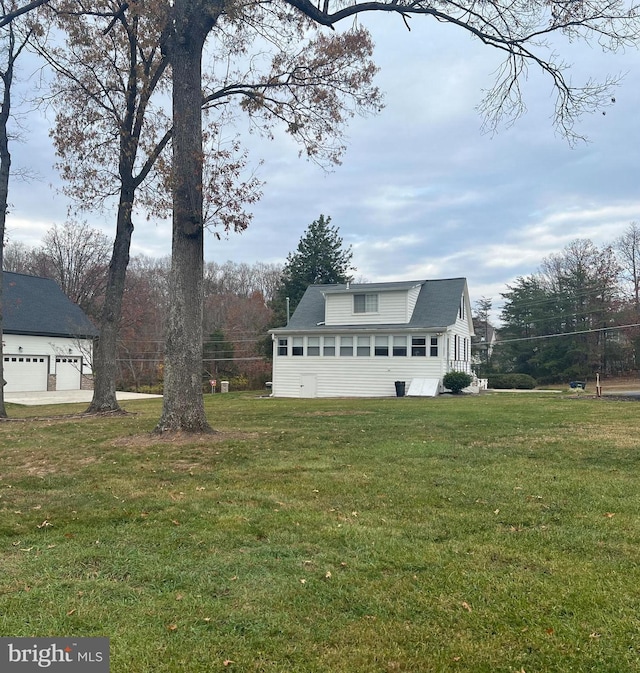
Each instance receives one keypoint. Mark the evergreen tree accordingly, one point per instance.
(319, 259)
(555, 322)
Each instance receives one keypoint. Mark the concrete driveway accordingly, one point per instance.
(66, 397)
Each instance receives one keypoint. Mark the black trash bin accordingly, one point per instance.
(400, 385)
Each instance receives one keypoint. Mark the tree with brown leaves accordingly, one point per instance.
(519, 29)
(13, 39)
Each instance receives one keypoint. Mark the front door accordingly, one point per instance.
(308, 385)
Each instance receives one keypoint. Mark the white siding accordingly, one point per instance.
(413, 298)
(364, 376)
(461, 334)
(394, 308)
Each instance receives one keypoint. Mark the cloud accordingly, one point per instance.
(422, 193)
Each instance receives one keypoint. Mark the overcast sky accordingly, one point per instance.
(422, 192)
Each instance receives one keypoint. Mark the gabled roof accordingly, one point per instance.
(37, 306)
(436, 307)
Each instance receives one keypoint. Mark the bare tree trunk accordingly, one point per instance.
(5, 167)
(183, 402)
(105, 355)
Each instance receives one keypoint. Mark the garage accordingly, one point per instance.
(25, 373)
(68, 373)
(46, 338)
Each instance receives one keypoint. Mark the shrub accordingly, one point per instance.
(507, 381)
(240, 382)
(456, 381)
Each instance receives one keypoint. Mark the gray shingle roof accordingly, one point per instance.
(37, 306)
(436, 307)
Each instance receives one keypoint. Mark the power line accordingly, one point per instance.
(160, 358)
(611, 328)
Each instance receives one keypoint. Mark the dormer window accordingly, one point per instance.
(365, 303)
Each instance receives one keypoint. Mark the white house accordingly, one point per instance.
(47, 340)
(357, 340)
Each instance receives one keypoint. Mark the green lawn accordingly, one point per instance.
(497, 533)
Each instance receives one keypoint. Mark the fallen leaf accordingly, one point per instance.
(303, 581)
(179, 597)
(45, 524)
(610, 515)
(466, 606)
(228, 662)
(328, 575)
(172, 627)
(594, 635)
(174, 522)
(70, 612)
(550, 631)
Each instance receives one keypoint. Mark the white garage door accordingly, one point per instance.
(25, 373)
(68, 372)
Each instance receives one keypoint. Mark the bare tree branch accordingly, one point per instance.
(8, 17)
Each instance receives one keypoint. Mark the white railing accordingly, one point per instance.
(460, 366)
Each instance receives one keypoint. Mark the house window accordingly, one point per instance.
(297, 347)
(461, 308)
(283, 346)
(364, 346)
(329, 346)
(365, 303)
(346, 345)
(381, 346)
(418, 347)
(313, 346)
(400, 346)
(433, 348)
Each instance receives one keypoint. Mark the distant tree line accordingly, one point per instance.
(237, 310)
(242, 301)
(578, 315)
